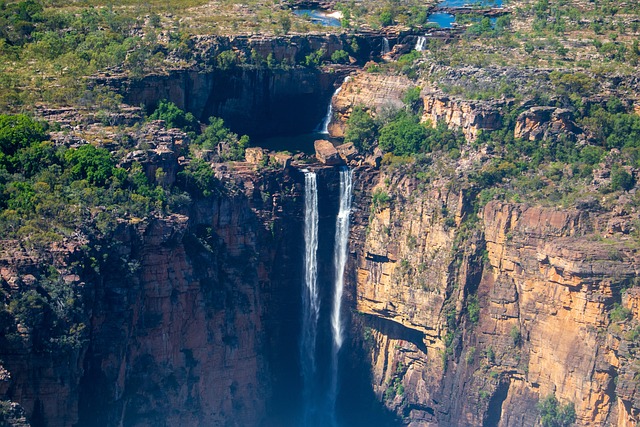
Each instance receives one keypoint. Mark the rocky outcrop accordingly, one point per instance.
(326, 153)
(463, 328)
(379, 93)
(382, 94)
(470, 117)
(538, 123)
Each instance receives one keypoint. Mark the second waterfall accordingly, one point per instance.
(339, 262)
(323, 335)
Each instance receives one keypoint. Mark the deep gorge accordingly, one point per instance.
(453, 314)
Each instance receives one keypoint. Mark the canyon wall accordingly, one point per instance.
(186, 319)
(472, 319)
(382, 94)
(253, 101)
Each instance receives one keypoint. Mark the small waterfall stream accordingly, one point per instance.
(339, 262)
(310, 296)
(422, 40)
(385, 47)
(324, 127)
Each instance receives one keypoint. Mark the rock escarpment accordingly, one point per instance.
(467, 327)
(470, 117)
(382, 94)
(254, 101)
(179, 318)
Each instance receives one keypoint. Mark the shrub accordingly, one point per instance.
(554, 415)
(516, 336)
(174, 117)
(361, 129)
(621, 180)
(412, 98)
(380, 199)
(619, 313)
(473, 309)
(340, 57)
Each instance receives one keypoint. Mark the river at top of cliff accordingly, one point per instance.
(462, 3)
(317, 16)
(446, 20)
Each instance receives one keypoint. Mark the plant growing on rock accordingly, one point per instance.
(553, 414)
(361, 129)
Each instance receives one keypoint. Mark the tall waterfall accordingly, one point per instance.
(310, 297)
(385, 46)
(422, 40)
(339, 262)
(324, 128)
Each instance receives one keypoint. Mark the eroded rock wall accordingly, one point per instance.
(188, 318)
(473, 320)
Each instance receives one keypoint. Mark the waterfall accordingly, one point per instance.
(324, 127)
(339, 262)
(385, 46)
(310, 297)
(420, 43)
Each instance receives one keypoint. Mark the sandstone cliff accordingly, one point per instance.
(180, 319)
(384, 93)
(472, 321)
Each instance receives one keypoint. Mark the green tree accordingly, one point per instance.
(217, 133)
(340, 57)
(19, 131)
(226, 60)
(174, 117)
(404, 136)
(198, 178)
(361, 129)
(552, 414)
(93, 164)
(314, 59)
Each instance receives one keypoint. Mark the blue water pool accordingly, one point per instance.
(319, 17)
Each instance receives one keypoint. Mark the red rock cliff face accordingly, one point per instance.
(468, 327)
(183, 318)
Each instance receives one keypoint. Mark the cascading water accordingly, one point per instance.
(339, 262)
(310, 297)
(324, 128)
(422, 40)
(385, 47)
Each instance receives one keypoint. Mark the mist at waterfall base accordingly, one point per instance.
(319, 375)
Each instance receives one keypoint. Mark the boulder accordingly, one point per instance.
(374, 159)
(347, 151)
(326, 153)
(254, 155)
(282, 159)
